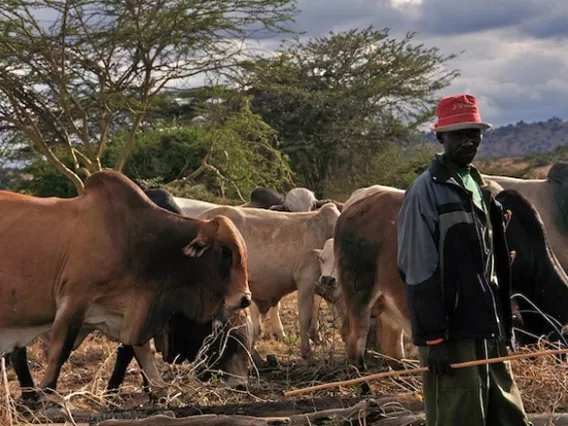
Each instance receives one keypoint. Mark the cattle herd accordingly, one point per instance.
(188, 278)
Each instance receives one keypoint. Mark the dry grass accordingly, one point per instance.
(543, 381)
(513, 166)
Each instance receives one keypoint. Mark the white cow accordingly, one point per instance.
(300, 200)
(282, 259)
(296, 200)
(193, 208)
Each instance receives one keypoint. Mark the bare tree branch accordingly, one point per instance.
(97, 65)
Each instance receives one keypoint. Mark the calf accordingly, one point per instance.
(384, 335)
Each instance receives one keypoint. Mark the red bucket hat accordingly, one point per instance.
(457, 112)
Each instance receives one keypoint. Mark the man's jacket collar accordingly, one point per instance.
(441, 173)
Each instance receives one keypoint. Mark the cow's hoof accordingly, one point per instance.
(395, 365)
(279, 337)
(32, 400)
(271, 361)
(29, 397)
(306, 354)
(365, 389)
(238, 383)
(316, 338)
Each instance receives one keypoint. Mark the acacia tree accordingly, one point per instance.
(74, 71)
(340, 100)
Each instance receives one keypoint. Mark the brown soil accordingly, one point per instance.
(543, 383)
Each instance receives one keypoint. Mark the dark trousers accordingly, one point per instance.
(486, 395)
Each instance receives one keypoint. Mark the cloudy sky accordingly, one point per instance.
(515, 52)
(515, 57)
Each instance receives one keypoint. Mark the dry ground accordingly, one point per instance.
(543, 382)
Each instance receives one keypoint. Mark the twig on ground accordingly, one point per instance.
(423, 370)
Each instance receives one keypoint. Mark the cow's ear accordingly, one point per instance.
(317, 252)
(197, 247)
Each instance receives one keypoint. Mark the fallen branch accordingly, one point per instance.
(203, 420)
(423, 370)
(361, 409)
(273, 409)
(365, 412)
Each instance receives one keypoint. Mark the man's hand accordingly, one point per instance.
(439, 359)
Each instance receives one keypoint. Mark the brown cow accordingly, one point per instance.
(365, 252)
(384, 334)
(110, 258)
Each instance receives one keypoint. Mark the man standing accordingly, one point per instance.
(454, 259)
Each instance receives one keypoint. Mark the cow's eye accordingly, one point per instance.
(226, 262)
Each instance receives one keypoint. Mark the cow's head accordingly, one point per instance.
(224, 350)
(329, 214)
(328, 283)
(195, 267)
(536, 272)
(224, 269)
(328, 275)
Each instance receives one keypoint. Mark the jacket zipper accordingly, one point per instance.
(481, 283)
(480, 242)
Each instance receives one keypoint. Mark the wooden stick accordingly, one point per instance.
(423, 370)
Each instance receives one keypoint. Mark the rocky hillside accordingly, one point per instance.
(521, 139)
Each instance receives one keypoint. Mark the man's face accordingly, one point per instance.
(461, 145)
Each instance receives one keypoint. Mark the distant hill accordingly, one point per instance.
(533, 166)
(519, 139)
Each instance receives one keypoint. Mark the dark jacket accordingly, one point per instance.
(441, 258)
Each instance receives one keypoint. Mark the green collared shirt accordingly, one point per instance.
(467, 181)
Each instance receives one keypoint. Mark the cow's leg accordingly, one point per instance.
(66, 327)
(306, 311)
(410, 349)
(314, 325)
(19, 358)
(277, 327)
(306, 277)
(145, 357)
(391, 339)
(255, 318)
(359, 324)
(124, 355)
(256, 358)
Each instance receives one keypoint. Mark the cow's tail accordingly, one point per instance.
(356, 258)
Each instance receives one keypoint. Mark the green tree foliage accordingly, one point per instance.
(92, 67)
(340, 101)
(229, 151)
(242, 151)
